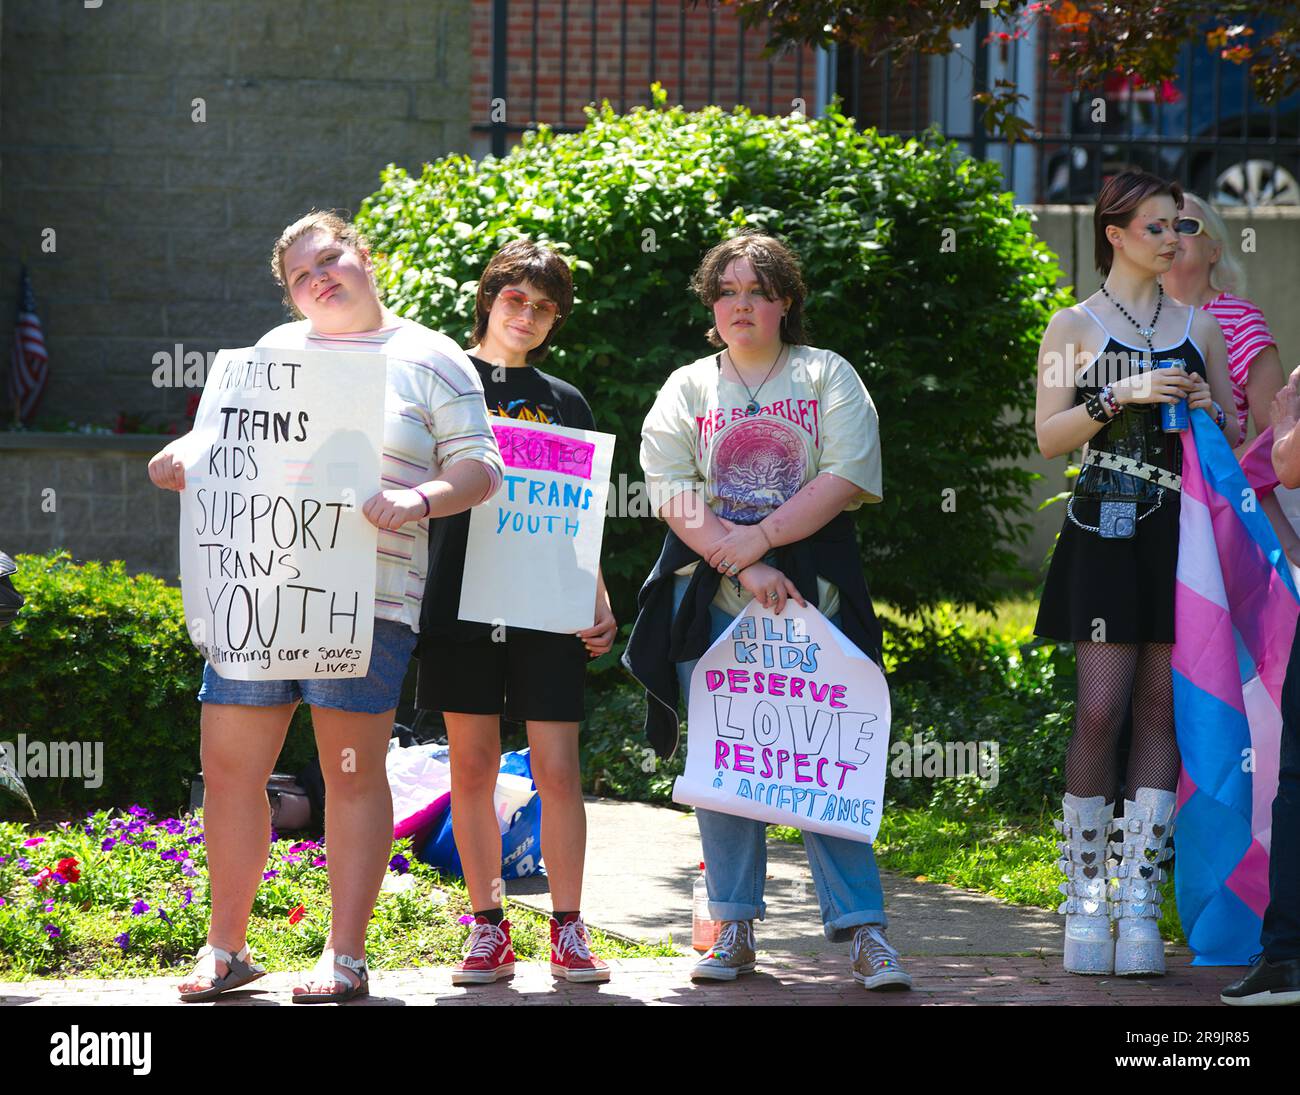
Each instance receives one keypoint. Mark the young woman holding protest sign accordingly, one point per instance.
(474, 673)
(1110, 588)
(439, 457)
(753, 457)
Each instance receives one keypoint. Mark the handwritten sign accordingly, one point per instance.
(534, 549)
(788, 723)
(277, 560)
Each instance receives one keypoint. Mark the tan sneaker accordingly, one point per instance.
(732, 955)
(875, 962)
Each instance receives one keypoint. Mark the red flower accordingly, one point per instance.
(43, 878)
(297, 914)
(69, 869)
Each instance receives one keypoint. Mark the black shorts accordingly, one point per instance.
(537, 675)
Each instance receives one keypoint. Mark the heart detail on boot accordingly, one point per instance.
(1090, 872)
(1090, 907)
(1091, 834)
(1157, 830)
(1088, 857)
(1151, 854)
(1146, 872)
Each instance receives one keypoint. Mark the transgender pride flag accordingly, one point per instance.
(1235, 609)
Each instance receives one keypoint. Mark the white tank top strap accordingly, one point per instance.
(1191, 315)
(1097, 321)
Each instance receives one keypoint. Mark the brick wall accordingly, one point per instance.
(91, 495)
(163, 225)
(566, 80)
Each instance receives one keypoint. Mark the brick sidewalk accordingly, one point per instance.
(819, 979)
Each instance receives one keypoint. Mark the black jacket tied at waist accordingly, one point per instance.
(661, 638)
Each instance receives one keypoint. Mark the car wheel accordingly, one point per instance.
(1255, 182)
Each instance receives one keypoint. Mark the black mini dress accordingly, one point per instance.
(1119, 591)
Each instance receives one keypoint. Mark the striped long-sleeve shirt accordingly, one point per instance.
(434, 415)
(1246, 333)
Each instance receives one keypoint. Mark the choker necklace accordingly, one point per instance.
(752, 408)
(1145, 332)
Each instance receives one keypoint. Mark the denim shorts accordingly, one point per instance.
(376, 692)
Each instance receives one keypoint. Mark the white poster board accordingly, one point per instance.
(788, 723)
(277, 560)
(534, 548)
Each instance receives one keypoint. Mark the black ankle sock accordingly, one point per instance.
(560, 917)
(492, 916)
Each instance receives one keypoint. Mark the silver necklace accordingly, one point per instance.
(752, 407)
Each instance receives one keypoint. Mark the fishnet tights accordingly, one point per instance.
(1109, 675)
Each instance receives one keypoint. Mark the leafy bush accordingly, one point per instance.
(920, 270)
(97, 655)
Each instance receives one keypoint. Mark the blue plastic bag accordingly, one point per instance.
(521, 845)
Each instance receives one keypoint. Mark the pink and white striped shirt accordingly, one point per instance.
(434, 415)
(1246, 332)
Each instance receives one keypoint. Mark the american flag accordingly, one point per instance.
(30, 361)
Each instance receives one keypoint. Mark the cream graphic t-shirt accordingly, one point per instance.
(815, 416)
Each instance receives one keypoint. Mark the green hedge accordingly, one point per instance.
(920, 270)
(97, 655)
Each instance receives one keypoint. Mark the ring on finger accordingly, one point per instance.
(772, 596)
(734, 568)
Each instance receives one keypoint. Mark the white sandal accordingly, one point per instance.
(240, 970)
(325, 968)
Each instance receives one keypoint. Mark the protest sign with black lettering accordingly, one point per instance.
(277, 560)
(534, 549)
(788, 723)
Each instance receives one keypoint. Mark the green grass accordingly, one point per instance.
(1014, 614)
(1010, 858)
(419, 926)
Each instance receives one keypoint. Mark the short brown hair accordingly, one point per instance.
(334, 221)
(1118, 204)
(524, 260)
(775, 266)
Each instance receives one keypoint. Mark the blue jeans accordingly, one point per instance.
(735, 849)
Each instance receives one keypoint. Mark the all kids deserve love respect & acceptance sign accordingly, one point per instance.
(277, 559)
(788, 723)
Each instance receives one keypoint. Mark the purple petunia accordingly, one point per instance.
(148, 845)
(23, 863)
(3, 901)
(195, 839)
(140, 812)
(268, 875)
(4, 859)
(172, 853)
(399, 864)
(187, 869)
(49, 904)
(303, 846)
(466, 919)
(292, 859)
(319, 861)
(189, 896)
(162, 915)
(139, 908)
(123, 940)
(52, 931)
(33, 842)
(109, 844)
(174, 826)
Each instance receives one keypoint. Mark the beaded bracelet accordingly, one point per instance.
(1108, 397)
(1220, 419)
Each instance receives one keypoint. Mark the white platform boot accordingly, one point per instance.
(1089, 947)
(1142, 847)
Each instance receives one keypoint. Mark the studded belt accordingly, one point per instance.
(1150, 472)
